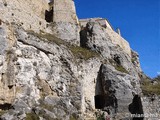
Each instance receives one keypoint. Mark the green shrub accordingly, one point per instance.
(83, 53)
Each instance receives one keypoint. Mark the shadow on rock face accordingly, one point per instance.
(136, 108)
(104, 94)
(5, 106)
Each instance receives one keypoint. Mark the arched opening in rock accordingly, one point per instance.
(136, 108)
(49, 15)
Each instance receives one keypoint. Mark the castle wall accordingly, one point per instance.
(64, 11)
(118, 40)
(101, 21)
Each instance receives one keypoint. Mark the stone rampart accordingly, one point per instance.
(103, 22)
(64, 11)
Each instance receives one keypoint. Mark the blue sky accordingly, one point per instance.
(139, 22)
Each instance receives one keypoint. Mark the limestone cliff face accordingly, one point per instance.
(50, 71)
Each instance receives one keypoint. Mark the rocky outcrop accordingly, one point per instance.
(115, 91)
(41, 71)
(91, 26)
(95, 37)
(66, 31)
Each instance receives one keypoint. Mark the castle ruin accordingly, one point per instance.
(103, 22)
(62, 11)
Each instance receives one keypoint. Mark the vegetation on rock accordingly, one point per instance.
(32, 116)
(49, 37)
(121, 69)
(151, 86)
(100, 116)
(83, 53)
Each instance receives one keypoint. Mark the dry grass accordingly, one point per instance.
(77, 51)
(149, 88)
(121, 69)
(49, 37)
(83, 53)
(32, 116)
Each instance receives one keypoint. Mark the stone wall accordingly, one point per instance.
(118, 40)
(64, 11)
(103, 22)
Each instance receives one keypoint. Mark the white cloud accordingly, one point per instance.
(158, 73)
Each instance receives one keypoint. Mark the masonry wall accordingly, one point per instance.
(64, 11)
(101, 21)
(118, 40)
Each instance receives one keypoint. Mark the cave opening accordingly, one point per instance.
(104, 97)
(99, 101)
(49, 15)
(136, 108)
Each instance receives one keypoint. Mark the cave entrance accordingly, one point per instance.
(99, 97)
(99, 101)
(136, 108)
(49, 15)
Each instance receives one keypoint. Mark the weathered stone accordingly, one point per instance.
(135, 61)
(93, 37)
(64, 11)
(66, 31)
(115, 87)
(3, 41)
(93, 32)
(20, 105)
